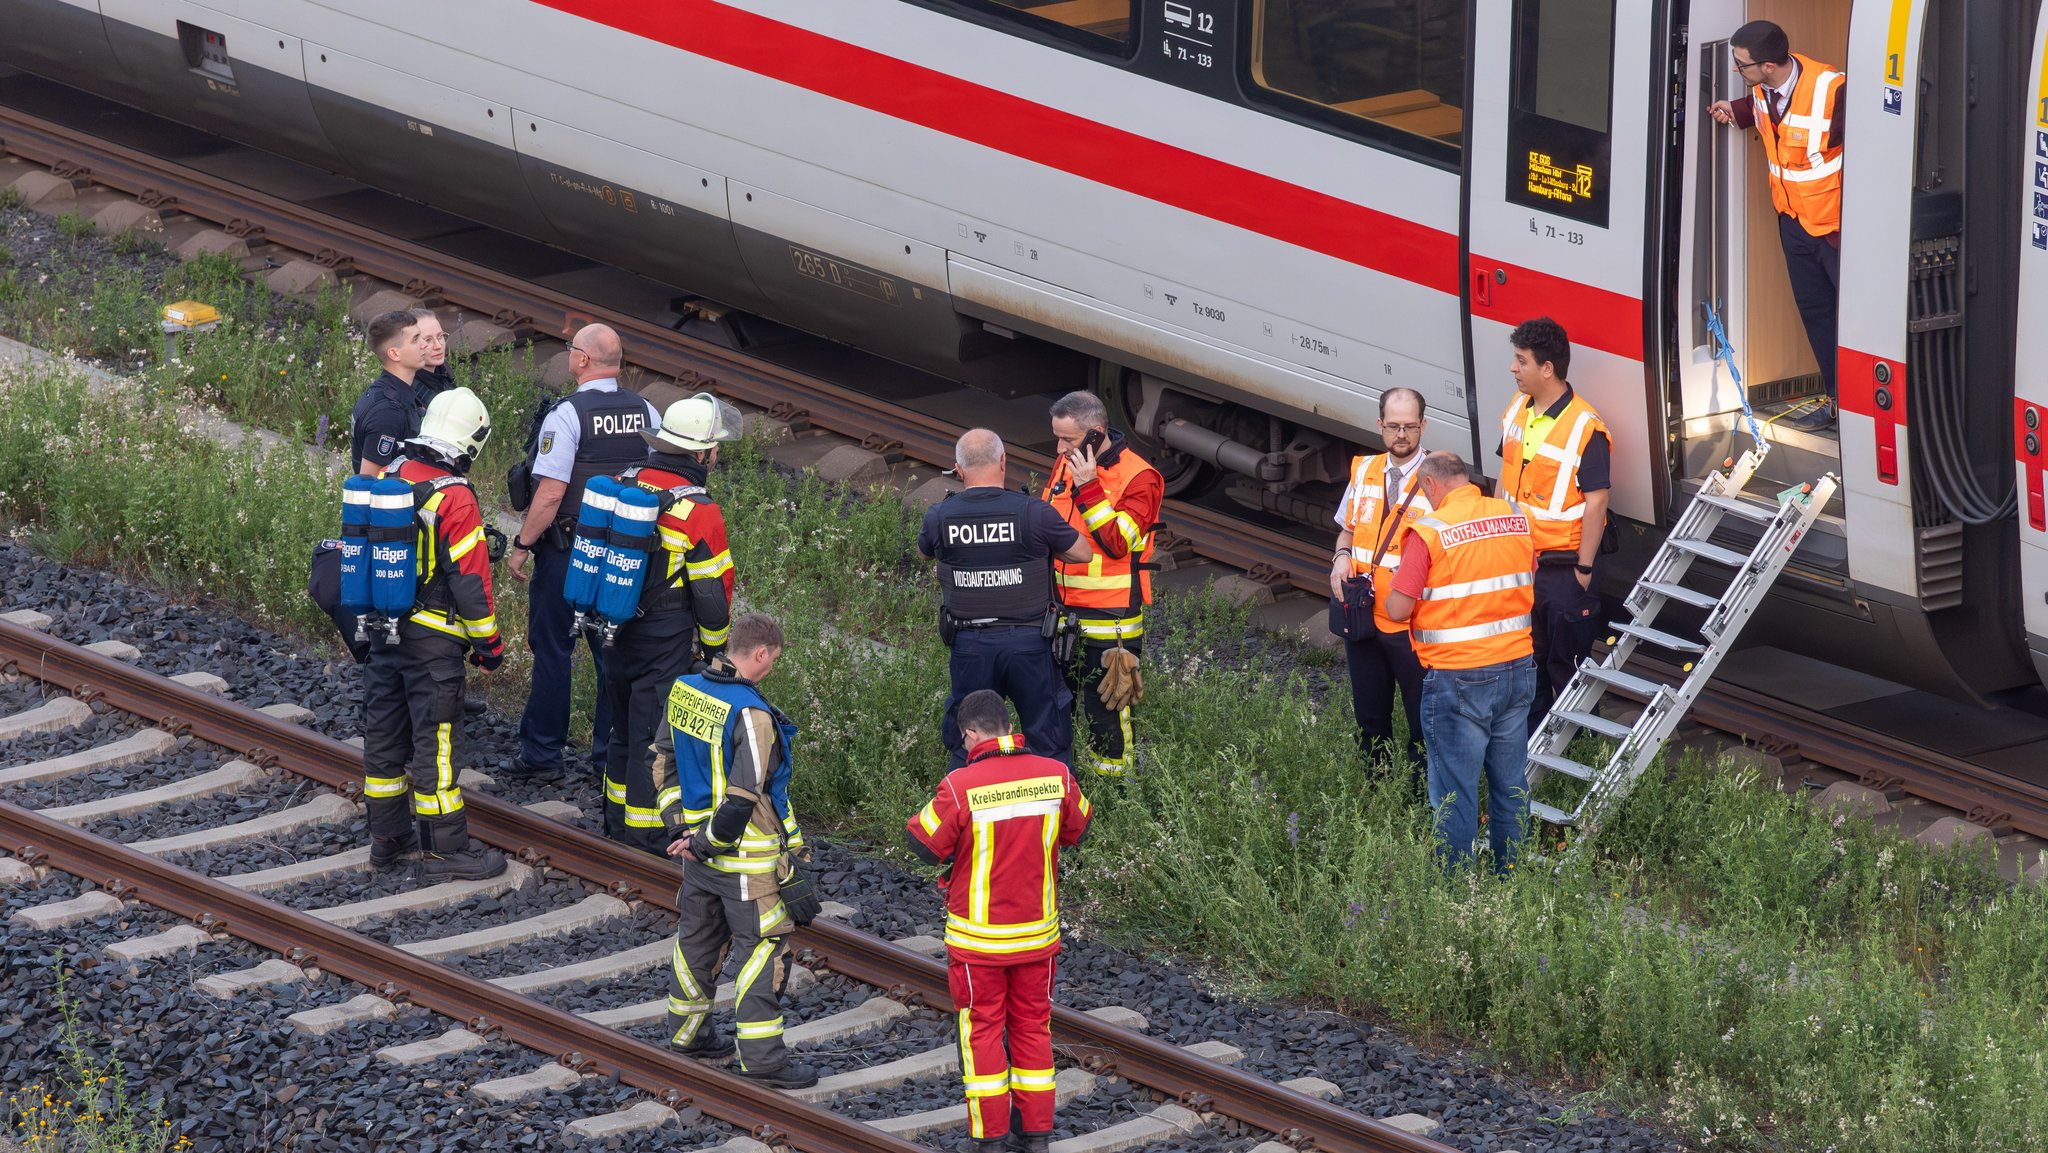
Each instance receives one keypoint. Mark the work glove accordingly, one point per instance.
(800, 892)
(487, 661)
(1121, 685)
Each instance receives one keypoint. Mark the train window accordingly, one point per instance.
(1560, 111)
(1399, 63)
(1095, 20)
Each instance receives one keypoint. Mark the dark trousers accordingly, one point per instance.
(412, 717)
(713, 923)
(1567, 621)
(544, 726)
(1109, 733)
(1379, 664)
(648, 656)
(1815, 267)
(1016, 661)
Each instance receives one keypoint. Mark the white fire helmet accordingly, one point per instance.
(456, 425)
(696, 423)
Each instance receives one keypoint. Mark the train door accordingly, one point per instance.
(1556, 193)
(2030, 405)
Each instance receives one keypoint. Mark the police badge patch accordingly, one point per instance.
(386, 446)
(547, 443)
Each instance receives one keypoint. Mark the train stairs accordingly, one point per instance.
(1783, 525)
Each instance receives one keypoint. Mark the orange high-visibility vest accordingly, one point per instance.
(1547, 486)
(1806, 168)
(1103, 582)
(1365, 518)
(1480, 598)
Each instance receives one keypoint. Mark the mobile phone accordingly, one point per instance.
(1093, 440)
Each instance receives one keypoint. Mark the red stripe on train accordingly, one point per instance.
(1094, 151)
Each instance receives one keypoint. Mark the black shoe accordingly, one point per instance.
(708, 1045)
(475, 706)
(520, 767)
(388, 851)
(1028, 1143)
(984, 1145)
(475, 863)
(789, 1075)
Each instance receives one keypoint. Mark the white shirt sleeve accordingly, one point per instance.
(1343, 517)
(559, 433)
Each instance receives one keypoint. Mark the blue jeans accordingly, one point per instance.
(1474, 719)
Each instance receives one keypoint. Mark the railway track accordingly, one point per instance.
(1798, 743)
(1199, 1087)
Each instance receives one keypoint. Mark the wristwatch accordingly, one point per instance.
(522, 546)
(1585, 568)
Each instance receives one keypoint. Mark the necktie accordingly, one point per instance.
(1777, 106)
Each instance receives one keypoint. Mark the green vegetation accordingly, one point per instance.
(73, 227)
(1749, 972)
(85, 1108)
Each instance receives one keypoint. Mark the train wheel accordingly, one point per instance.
(1185, 477)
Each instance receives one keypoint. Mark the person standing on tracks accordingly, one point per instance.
(413, 689)
(684, 610)
(723, 759)
(1795, 105)
(995, 549)
(1555, 463)
(995, 826)
(595, 431)
(1466, 589)
(1382, 500)
(1108, 492)
(389, 411)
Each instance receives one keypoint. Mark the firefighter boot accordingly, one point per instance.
(471, 861)
(388, 851)
(1028, 1142)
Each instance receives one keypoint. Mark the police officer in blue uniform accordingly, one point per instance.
(595, 431)
(389, 411)
(995, 548)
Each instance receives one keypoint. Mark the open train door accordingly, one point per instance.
(1558, 156)
(2030, 403)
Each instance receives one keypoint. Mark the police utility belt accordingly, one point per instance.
(950, 626)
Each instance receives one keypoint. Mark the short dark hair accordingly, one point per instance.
(1445, 466)
(983, 711)
(387, 327)
(1764, 41)
(1421, 405)
(754, 631)
(1545, 342)
(1083, 408)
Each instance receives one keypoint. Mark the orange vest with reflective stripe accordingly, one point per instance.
(1102, 582)
(1365, 517)
(1481, 595)
(1806, 177)
(1547, 487)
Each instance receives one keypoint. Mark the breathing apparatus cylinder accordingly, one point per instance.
(355, 548)
(394, 563)
(625, 558)
(586, 551)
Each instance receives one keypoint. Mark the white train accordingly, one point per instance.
(1244, 219)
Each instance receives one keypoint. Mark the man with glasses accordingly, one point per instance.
(1795, 107)
(595, 431)
(1381, 502)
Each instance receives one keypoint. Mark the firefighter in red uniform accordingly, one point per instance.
(994, 825)
(413, 690)
(684, 612)
(1107, 491)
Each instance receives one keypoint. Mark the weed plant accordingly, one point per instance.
(1748, 971)
(85, 1107)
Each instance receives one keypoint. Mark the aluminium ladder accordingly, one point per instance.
(1783, 527)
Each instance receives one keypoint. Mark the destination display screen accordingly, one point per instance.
(1560, 114)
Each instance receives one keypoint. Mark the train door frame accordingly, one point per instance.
(1568, 237)
(2030, 401)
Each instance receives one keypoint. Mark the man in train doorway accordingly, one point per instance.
(1555, 464)
(1795, 107)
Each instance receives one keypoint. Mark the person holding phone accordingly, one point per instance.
(1110, 494)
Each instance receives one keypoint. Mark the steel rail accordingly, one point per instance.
(578, 1044)
(1198, 1082)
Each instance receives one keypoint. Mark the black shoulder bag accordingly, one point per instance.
(1351, 616)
